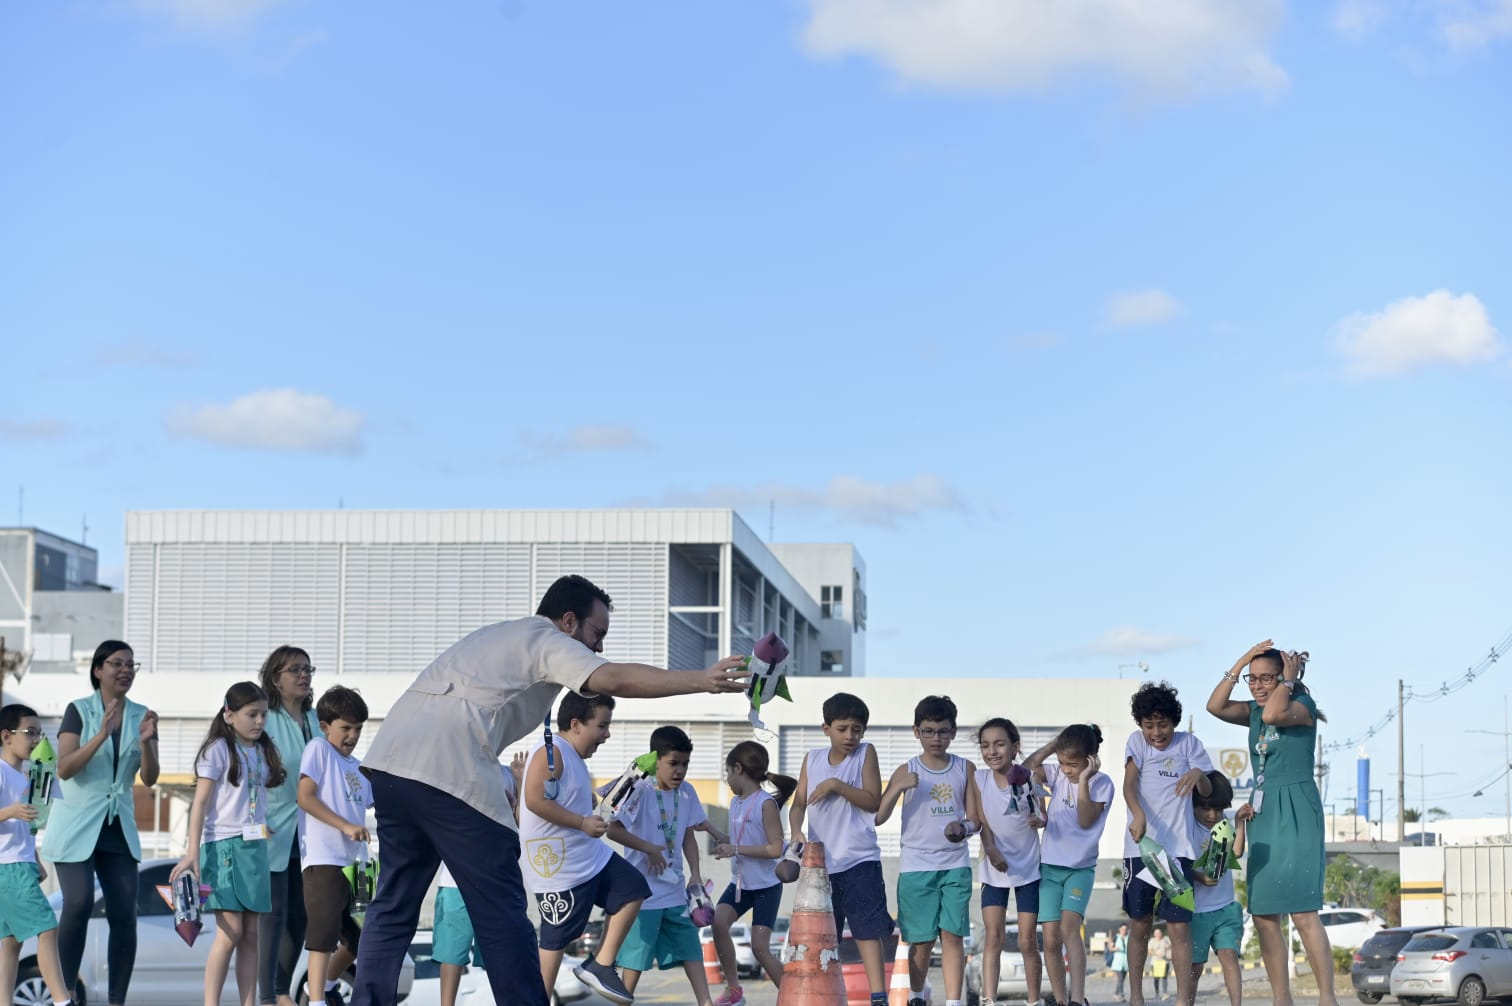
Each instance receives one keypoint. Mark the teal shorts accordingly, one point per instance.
(236, 872)
(24, 911)
(1063, 889)
(934, 901)
(663, 936)
(1222, 929)
(452, 938)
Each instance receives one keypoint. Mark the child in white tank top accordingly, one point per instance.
(840, 789)
(940, 812)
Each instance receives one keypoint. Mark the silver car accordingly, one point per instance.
(1012, 984)
(168, 972)
(1467, 963)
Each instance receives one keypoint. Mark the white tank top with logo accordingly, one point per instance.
(938, 799)
(1007, 814)
(848, 832)
(554, 858)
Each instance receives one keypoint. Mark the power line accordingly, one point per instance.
(1428, 694)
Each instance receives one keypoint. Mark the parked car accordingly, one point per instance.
(1011, 981)
(746, 964)
(1370, 971)
(1468, 963)
(587, 944)
(168, 972)
(1350, 927)
(474, 989)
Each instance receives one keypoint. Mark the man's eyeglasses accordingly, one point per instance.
(1261, 679)
(301, 670)
(930, 733)
(124, 665)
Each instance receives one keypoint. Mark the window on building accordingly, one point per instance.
(831, 661)
(832, 601)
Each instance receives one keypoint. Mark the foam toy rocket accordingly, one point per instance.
(1218, 855)
(701, 903)
(789, 865)
(186, 897)
(767, 683)
(1165, 873)
(613, 798)
(1020, 791)
(41, 776)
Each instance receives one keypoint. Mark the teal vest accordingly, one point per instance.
(283, 806)
(99, 793)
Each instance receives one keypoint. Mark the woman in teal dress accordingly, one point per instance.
(1284, 871)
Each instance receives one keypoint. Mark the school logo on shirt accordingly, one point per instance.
(545, 855)
(1167, 769)
(353, 786)
(556, 907)
(943, 794)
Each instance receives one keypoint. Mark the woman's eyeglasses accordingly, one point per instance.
(1261, 679)
(124, 665)
(300, 671)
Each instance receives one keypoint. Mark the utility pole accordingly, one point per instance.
(1401, 768)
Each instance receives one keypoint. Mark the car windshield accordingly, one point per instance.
(1430, 943)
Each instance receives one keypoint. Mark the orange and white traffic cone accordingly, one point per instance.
(812, 975)
(713, 973)
(900, 989)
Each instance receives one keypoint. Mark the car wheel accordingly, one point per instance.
(1472, 992)
(31, 990)
(1368, 998)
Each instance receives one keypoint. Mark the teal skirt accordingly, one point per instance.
(236, 871)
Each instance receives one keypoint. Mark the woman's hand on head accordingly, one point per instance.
(1257, 649)
(1291, 665)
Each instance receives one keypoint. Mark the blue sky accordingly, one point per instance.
(1108, 335)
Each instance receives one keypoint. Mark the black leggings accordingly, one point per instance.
(281, 933)
(118, 883)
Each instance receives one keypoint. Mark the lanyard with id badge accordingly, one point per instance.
(254, 777)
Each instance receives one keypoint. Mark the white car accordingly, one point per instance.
(168, 972)
(746, 964)
(1350, 927)
(474, 989)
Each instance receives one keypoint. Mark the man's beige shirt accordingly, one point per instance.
(484, 693)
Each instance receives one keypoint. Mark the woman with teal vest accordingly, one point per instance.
(287, 678)
(103, 742)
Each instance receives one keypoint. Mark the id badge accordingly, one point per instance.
(1256, 799)
(254, 833)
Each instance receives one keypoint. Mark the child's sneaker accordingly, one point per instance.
(605, 981)
(333, 996)
(734, 995)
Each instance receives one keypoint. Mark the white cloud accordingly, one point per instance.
(583, 439)
(1476, 23)
(881, 504)
(1128, 642)
(1354, 19)
(1142, 307)
(29, 431)
(209, 15)
(1164, 49)
(275, 420)
(1417, 332)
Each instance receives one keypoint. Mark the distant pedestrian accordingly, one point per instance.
(1120, 963)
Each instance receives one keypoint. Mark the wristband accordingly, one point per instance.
(1230, 676)
(1290, 686)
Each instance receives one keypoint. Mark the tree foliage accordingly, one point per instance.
(1346, 882)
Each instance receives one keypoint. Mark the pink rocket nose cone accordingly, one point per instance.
(771, 649)
(1018, 776)
(189, 931)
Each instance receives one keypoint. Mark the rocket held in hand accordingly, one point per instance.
(701, 903)
(551, 780)
(1218, 855)
(1165, 873)
(186, 896)
(42, 776)
(614, 797)
(767, 682)
(363, 876)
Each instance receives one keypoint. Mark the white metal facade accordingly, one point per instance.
(386, 591)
